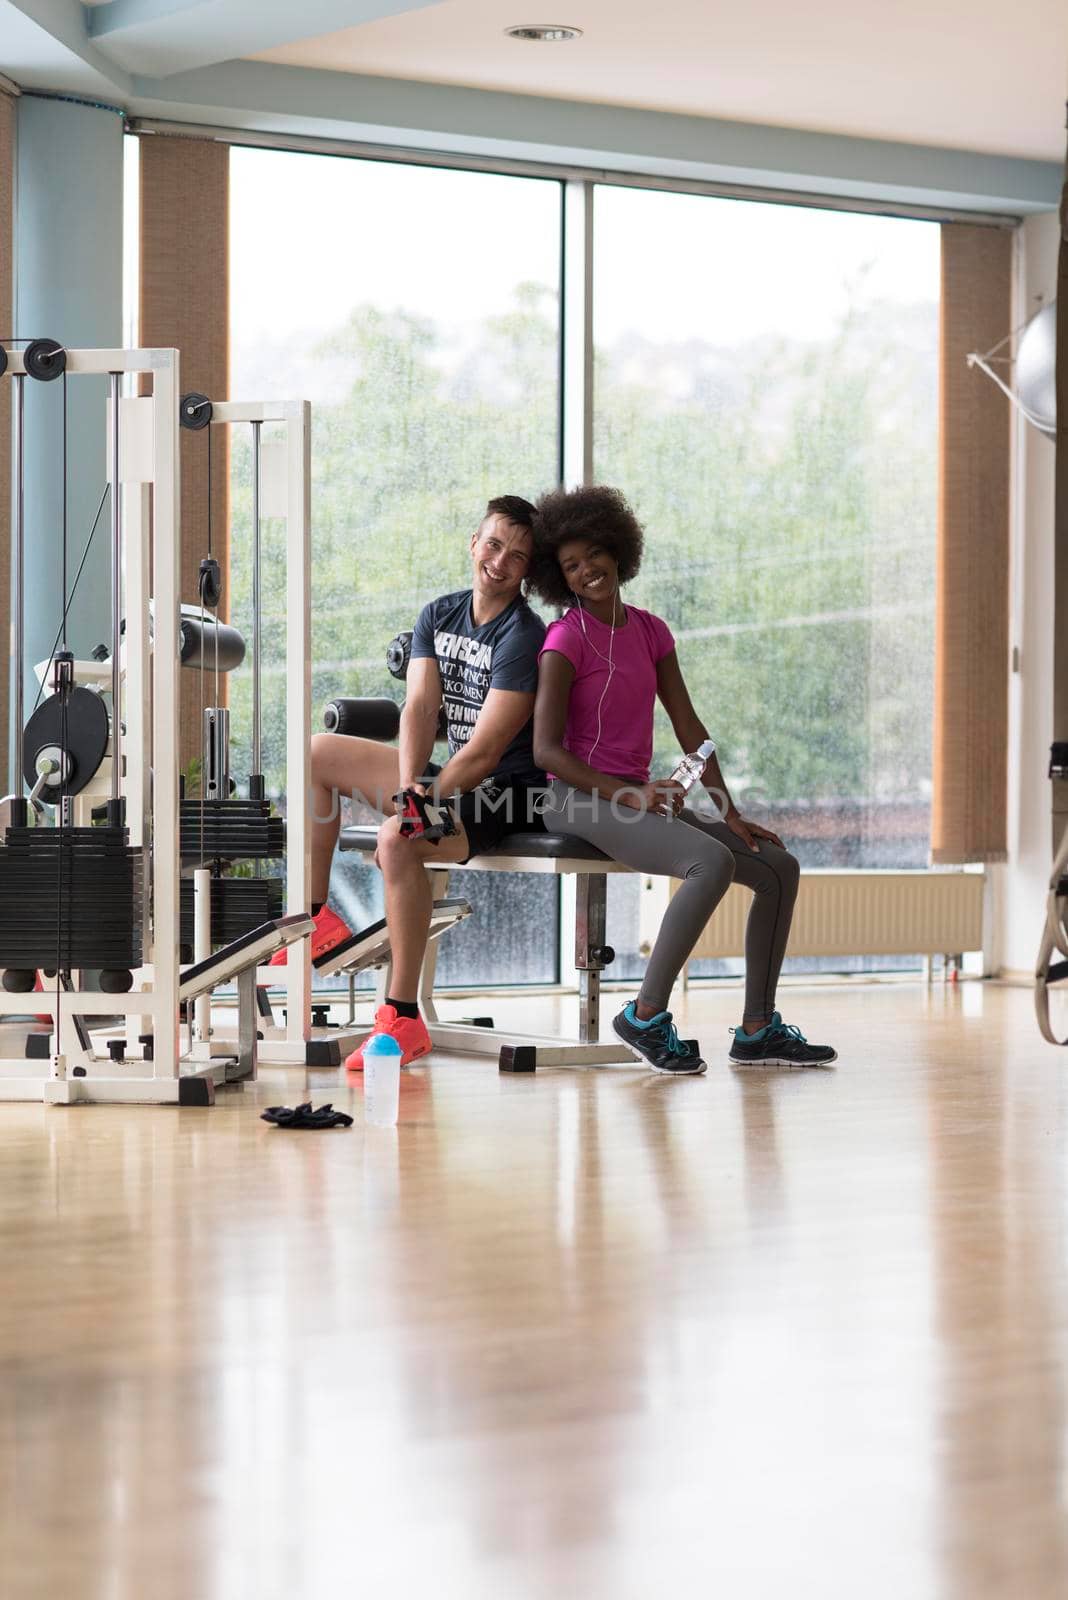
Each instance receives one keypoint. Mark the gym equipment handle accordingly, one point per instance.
(362, 718)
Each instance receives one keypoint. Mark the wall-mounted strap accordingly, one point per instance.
(7, 311)
(1060, 557)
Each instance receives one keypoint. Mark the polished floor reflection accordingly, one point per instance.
(589, 1334)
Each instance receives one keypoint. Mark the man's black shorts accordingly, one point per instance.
(494, 810)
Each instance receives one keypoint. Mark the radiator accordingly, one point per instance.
(847, 914)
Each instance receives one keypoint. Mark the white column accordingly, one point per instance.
(166, 574)
(1021, 884)
(298, 709)
(577, 330)
(68, 275)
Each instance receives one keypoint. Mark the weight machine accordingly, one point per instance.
(1055, 932)
(219, 828)
(99, 891)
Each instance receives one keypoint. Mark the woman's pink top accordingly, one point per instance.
(625, 692)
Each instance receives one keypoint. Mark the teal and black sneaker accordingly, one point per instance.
(778, 1045)
(657, 1042)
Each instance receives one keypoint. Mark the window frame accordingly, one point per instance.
(577, 198)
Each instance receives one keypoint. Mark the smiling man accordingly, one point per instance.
(475, 652)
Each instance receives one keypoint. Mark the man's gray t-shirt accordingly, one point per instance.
(472, 660)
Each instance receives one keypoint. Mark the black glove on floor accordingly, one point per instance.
(305, 1117)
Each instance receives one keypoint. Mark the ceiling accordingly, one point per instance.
(983, 75)
(950, 105)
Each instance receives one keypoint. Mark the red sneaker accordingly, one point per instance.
(330, 931)
(410, 1033)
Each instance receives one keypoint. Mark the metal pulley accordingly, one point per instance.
(209, 583)
(72, 730)
(195, 411)
(45, 359)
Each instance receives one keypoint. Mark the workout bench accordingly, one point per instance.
(556, 853)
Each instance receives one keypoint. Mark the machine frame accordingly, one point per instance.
(143, 457)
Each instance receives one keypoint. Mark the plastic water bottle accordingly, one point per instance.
(690, 768)
(381, 1080)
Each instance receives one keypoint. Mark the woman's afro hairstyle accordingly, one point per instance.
(596, 513)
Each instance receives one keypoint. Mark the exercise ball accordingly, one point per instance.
(1036, 369)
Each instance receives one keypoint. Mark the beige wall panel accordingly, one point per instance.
(185, 224)
(968, 820)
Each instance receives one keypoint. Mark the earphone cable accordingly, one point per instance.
(606, 658)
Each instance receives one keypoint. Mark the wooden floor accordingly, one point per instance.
(589, 1334)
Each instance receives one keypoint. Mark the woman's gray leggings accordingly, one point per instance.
(705, 856)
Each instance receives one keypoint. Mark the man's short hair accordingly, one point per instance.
(513, 508)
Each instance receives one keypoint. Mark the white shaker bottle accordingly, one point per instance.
(381, 1080)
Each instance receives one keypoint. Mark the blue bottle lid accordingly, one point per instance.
(382, 1044)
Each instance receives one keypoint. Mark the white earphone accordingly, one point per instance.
(606, 658)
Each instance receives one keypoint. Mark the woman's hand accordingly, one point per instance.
(750, 832)
(662, 797)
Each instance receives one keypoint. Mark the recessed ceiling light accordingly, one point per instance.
(544, 32)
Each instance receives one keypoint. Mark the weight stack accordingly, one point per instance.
(237, 906)
(70, 897)
(230, 830)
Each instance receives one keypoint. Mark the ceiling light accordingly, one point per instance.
(544, 32)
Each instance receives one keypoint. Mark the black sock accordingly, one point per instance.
(403, 1008)
(317, 906)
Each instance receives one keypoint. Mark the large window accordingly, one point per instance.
(418, 310)
(766, 393)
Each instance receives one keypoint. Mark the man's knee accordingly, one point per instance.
(341, 763)
(327, 750)
(394, 853)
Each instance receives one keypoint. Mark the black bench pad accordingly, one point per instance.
(543, 846)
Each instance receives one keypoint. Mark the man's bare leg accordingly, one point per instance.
(340, 766)
(409, 900)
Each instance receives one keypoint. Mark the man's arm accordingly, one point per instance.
(419, 719)
(503, 714)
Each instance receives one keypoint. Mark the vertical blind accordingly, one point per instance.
(971, 700)
(185, 229)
